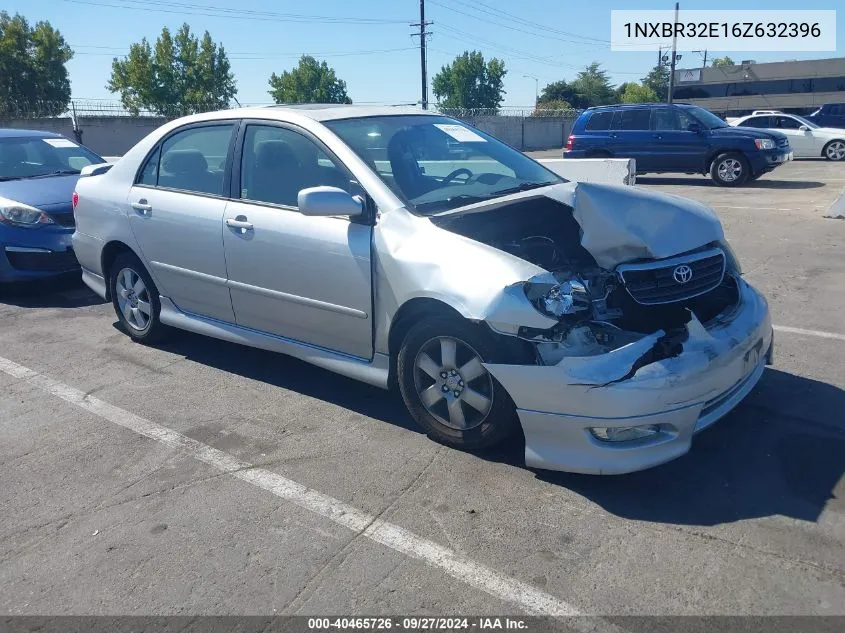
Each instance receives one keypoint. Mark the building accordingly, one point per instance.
(799, 87)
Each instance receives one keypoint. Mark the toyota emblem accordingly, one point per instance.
(682, 274)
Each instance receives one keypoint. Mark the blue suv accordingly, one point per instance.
(679, 138)
(829, 115)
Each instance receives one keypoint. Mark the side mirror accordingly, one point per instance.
(803, 128)
(326, 201)
(694, 127)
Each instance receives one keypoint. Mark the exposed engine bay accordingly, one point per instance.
(598, 309)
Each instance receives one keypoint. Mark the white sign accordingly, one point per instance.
(59, 142)
(734, 30)
(460, 133)
(689, 75)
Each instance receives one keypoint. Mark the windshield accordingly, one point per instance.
(435, 163)
(32, 157)
(707, 118)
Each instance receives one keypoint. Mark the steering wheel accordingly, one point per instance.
(463, 171)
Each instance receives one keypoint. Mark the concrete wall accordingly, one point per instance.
(608, 171)
(115, 135)
(108, 136)
(526, 133)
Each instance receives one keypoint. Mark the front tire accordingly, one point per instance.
(446, 388)
(135, 299)
(730, 170)
(835, 150)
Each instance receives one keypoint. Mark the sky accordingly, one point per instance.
(369, 42)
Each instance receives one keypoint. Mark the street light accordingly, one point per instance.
(536, 88)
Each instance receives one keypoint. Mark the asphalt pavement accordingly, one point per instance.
(199, 477)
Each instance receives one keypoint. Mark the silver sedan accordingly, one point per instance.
(404, 248)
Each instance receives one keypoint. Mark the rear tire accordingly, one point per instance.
(730, 170)
(135, 299)
(447, 390)
(834, 150)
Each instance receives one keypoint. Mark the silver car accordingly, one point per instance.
(404, 248)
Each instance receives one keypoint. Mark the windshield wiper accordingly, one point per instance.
(525, 186)
(7, 178)
(58, 172)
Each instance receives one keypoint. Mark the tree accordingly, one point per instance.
(180, 76)
(658, 81)
(592, 87)
(33, 76)
(637, 93)
(721, 62)
(470, 82)
(558, 92)
(310, 82)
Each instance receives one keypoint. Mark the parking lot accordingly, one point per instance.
(199, 477)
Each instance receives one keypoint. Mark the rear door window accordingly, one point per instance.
(632, 119)
(195, 159)
(600, 120)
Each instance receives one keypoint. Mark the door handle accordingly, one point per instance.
(239, 223)
(142, 207)
(658, 136)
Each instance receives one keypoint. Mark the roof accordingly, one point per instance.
(8, 132)
(331, 111)
(639, 105)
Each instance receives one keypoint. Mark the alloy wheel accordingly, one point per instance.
(836, 150)
(133, 299)
(452, 384)
(730, 169)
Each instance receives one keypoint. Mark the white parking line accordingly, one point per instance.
(530, 599)
(803, 332)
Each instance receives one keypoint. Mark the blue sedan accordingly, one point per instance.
(38, 174)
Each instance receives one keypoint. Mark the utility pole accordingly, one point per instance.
(423, 34)
(674, 48)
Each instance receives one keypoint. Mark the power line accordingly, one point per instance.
(550, 33)
(238, 14)
(463, 36)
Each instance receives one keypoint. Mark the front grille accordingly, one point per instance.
(54, 261)
(783, 142)
(656, 282)
(63, 219)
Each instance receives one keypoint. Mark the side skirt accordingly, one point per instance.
(373, 372)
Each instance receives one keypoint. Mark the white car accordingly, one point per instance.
(806, 139)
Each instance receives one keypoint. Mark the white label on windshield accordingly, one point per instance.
(460, 133)
(59, 142)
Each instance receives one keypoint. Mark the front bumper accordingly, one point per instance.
(557, 405)
(29, 254)
(765, 161)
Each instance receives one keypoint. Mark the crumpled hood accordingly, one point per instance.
(621, 224)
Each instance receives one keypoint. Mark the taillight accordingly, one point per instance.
(569, 141)
(75, 199)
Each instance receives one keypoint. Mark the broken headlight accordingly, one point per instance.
(558, 296)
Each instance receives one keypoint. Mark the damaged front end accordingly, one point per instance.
(649, 332)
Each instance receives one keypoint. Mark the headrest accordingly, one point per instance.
(274, 154)
(184, 161)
